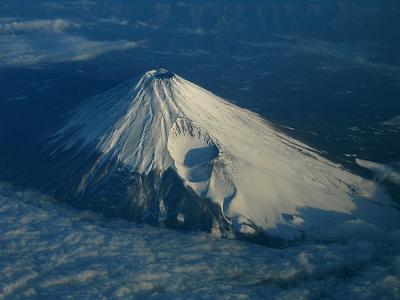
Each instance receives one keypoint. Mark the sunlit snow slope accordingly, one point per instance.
(262, 180)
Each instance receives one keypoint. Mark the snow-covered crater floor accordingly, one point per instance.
(51, 251)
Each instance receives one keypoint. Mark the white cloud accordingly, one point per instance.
(23, 51)
(382, 172)
(395, 121)
(37, 25)
(113, 20)
(25, 43)
(51, 251)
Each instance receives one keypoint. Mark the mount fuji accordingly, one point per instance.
(167, 152)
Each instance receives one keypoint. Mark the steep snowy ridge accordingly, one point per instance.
(263, 180)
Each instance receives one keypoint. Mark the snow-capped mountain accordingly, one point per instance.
(166, 151)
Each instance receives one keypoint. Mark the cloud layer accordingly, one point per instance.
(44, 49)
(25, 43)
(37, 25)
(51, 251)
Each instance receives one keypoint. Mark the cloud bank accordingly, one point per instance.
(27, 43)
(37, 25)
(52, 251)
(45, 49)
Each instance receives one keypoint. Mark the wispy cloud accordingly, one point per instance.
(338, 56)
(57, 25)
(113, 20)
(39, 49)
(395, 121)
(196, 31)
(25, 43)
(381, 172)
(68, 4)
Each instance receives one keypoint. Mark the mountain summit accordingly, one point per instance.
(166, 151)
